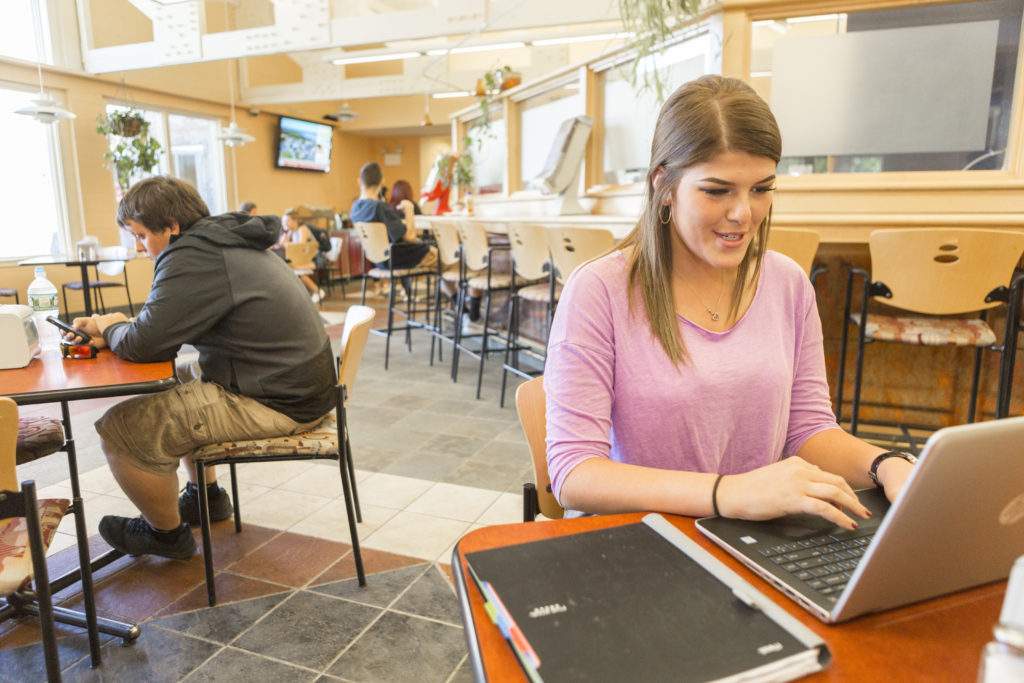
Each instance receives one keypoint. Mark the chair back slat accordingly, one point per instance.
(374, 238)
(530, 404)
(474, 244)
(447, 237)
(530, 255)
(799, 245)
(300, 254)
(8, 444)
(943, 271)
(358, 320)
(573, 246)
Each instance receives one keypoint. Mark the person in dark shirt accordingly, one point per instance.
(407, 251)
(400, 192)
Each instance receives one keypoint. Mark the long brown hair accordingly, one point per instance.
(702, 119)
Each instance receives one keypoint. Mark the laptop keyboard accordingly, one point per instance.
(825, 563)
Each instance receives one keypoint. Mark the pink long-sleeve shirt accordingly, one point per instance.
(745, 398)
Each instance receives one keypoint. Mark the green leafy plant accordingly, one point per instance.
(652, 22)
(131, 149)
(457, 169)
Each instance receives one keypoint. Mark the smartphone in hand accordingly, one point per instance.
(67, 328)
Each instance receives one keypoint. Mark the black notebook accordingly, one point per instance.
(640, 602)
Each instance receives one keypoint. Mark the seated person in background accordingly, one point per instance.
(295, 232)
(266, 364)
(248, 207)
(407, 251)
(685, 370)
(400, 192)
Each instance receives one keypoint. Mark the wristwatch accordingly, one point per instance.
(873, 472)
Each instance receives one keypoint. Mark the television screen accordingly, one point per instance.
(304, 145)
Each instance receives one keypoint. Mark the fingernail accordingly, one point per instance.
(855, 525)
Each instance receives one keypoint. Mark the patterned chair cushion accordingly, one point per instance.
(541, 292)
(497, 282)
(929, 331)
(322, 439)
(384, 273)
(15, 555)
(38, 436)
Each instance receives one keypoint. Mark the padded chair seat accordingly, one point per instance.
(321, 439)
(497, 282)
(928, 331)
(539, 292)
(38, 436)
(15, 558)
(93, 284)
(384, 273)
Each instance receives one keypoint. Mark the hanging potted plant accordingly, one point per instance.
(131, 149)
(652, 22)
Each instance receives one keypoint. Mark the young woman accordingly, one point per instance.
(685, 370)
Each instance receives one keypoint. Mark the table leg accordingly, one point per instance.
(86, 289)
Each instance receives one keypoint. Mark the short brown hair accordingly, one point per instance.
(160, 201)
(370, 174)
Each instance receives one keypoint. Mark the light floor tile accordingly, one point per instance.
(464, 503)
(507, 509)
(330, 521)
(279, 509)
(99, 507)
(391, 490)
(99, 480)
(409, 533)
(61, 541)
(271, 474)
(323, 479)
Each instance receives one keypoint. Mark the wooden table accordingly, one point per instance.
(940, 639)
(50, 378)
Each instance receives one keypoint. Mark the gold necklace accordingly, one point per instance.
(713, 313)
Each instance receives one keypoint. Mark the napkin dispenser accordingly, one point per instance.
(19, 338)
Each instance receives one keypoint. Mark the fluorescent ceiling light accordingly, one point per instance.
(445, 95)
(383, 57)
(581, 39)
(476, 48)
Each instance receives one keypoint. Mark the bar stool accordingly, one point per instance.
(449, 269)
(532, 280)
(571, 247)
(939, 276)
(478, 255)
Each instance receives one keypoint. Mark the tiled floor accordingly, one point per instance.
(432, 464)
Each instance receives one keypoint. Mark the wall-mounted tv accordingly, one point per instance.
(303, 145)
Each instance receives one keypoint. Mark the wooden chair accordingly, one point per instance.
(377, 249)
(532, 280)
(27, 526)
(300, 256)
(108, 268)
(479, 273)
(327, 441)
(449, 249)
(537, 495)
(799, 245)
(938, 276)
(573, 246)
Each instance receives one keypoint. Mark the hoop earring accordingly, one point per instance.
(661, 214)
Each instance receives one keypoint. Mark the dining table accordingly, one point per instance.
(82, 263)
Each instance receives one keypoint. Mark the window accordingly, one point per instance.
(17, 30)
(35, 221)
(542, 116)
(915, 89)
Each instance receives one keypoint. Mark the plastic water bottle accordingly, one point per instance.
(42, 297)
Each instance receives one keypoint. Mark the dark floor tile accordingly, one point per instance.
(230, 588)
(424, 465)
(222, 623)
(431, 596)
(463, 446)
(238, 665)
(429, 652)
(290, 559)
(27, 663)
(156, 656)
(502, 453)
(484, 476)
(307, 629)
(464, 673)
(373, 561)
(380, 591)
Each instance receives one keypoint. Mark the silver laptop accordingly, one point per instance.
(958, 523)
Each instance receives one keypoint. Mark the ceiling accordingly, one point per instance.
(285, 48)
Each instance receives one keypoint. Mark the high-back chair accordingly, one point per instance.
(537, 495)
(532, 280)
(479, 273)
(377, 249)
(27, 526)
(938, 276)
(9, 292)
(573, 246)
(328, 440)
(332, 271)
(300, 256)
(114, 268)
(449, 250)
(799, 245)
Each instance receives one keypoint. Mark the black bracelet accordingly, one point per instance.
(714, 495)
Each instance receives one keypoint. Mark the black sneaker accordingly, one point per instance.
(188, 505)
(134, 536)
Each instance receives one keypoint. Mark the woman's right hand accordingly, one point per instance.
(789, 486)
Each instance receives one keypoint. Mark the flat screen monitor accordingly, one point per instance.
(304, 145)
